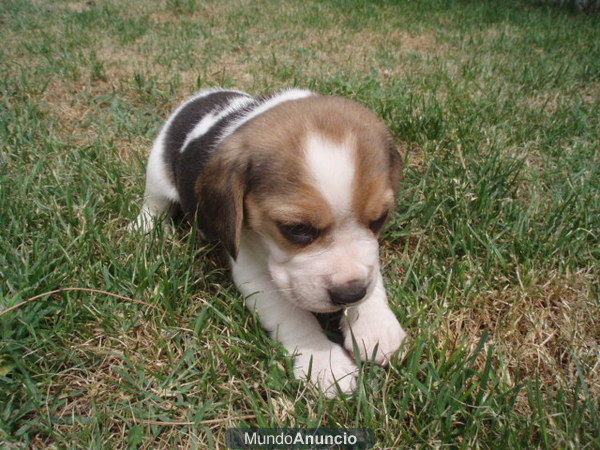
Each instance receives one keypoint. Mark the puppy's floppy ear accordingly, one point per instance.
(220, 191)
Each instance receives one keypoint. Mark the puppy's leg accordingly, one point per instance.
(373, 326)
(316, 358)
(160, 193)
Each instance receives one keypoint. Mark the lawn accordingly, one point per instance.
(491, 261)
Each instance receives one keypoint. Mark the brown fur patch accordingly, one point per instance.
(265, 212)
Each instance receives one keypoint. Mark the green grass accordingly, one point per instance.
(491, 261)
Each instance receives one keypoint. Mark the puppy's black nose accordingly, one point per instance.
(346, 294)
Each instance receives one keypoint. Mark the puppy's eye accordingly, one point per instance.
(300, 234)
(375, 225)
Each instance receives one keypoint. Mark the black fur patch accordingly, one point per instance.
(330, 324)
(194, 159)
(185, 121)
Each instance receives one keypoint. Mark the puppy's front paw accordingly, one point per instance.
(145, 223)
(380, 330)
(326, 367)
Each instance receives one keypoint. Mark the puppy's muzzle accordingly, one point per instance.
(348, 293)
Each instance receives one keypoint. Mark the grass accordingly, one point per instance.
(491, 261)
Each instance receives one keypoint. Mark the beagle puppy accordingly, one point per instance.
(296, 187)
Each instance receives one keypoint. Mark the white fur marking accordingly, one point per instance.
(210, 119)
(332, 169)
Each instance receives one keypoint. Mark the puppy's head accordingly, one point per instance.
(314, 181)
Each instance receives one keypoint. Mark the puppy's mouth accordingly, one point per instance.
(311, 305)
(326, 309)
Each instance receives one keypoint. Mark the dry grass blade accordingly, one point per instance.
(200, 422)
(71, 289)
